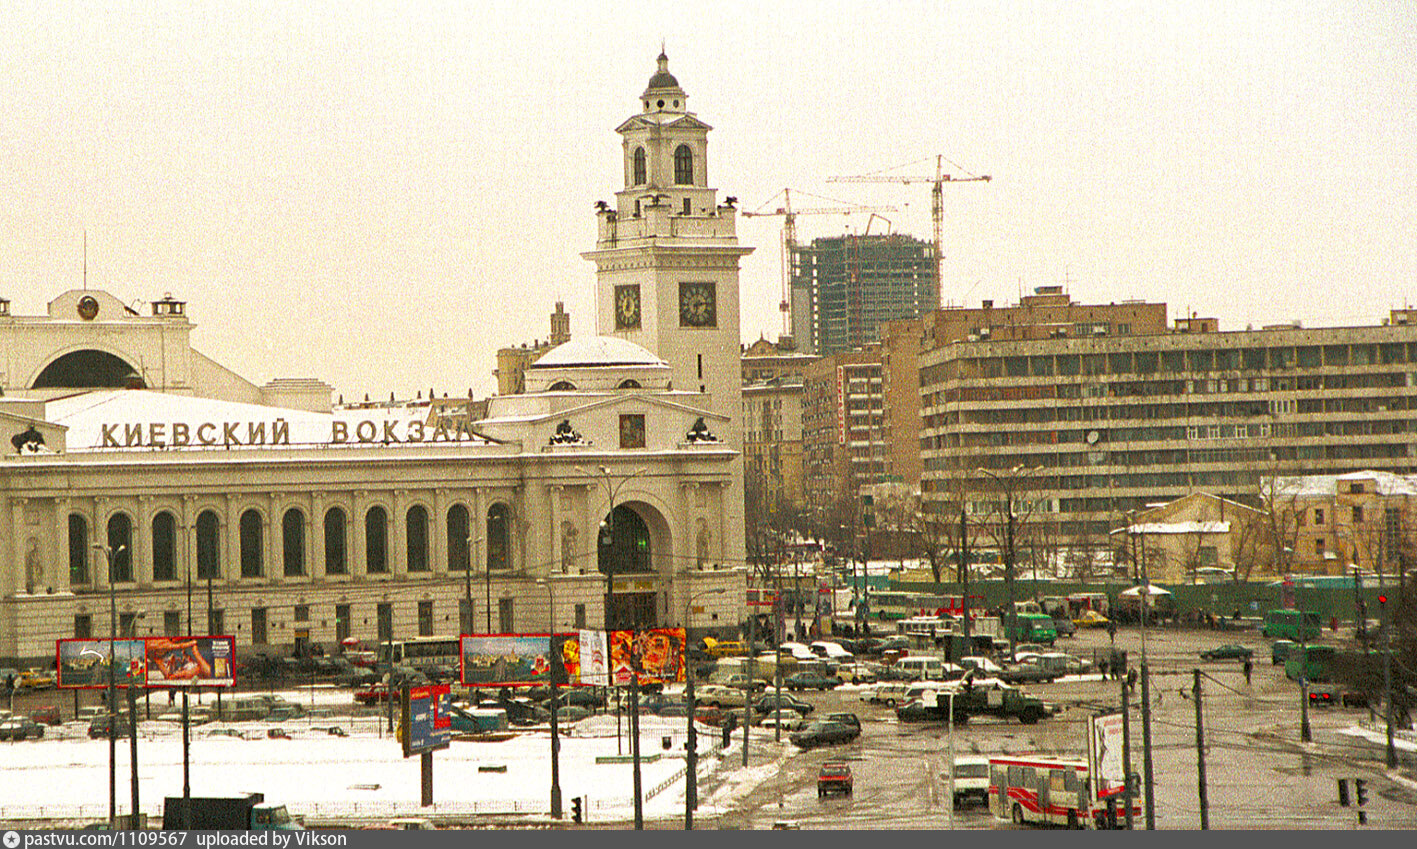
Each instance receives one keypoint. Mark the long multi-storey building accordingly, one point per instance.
(1088, 427)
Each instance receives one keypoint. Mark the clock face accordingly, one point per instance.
(698, 305)
(627, 307)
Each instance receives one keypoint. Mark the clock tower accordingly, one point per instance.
(666, 260)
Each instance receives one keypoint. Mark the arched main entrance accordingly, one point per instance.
(87, 369)
(626, 554)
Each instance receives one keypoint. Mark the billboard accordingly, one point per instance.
(1105, 754)
(83, 664)
(147, 662)
(427, 722)
(594, 658)
(658, 651)
(191, 661)
(516, 660)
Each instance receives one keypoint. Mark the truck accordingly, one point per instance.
(993, 698)
(226, 813)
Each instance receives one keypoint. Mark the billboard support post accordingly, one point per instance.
(133, 749)
(425, 763)
(112, 702)
(186, 766)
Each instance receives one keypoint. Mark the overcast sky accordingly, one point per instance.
(382, 194)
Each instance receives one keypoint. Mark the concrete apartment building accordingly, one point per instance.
(843, 432)
(1101, 424)
(845, 287)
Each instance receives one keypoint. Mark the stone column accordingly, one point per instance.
(315, 533)
(141, 560)
(358, 563)
(438, 533)
(558, 560)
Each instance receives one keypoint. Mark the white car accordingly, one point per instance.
(971, 778)
(832, 651)
(984, 665)
(717, 695)
(888, 693)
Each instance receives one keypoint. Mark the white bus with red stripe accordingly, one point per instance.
(1052, 791)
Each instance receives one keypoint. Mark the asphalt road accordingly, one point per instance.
(1258, 775)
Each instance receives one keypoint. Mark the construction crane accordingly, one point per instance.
(789, 234)
(937, 201)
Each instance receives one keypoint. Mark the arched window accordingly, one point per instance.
(639, 167)
(459, 529)
(78, 549)
(624, 543)
(120, 535)
(336, 562)
(562, 386)
(629, 383)
(164, 547)
(208, 545)
(499, 537)
(683, 165)
(252, 556)
(416, 535)
(376, 541)
(292, 537)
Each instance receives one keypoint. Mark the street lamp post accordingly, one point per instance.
(111, 553)
(611, 490)
(472, 544)
(557, 668)
(691, 773)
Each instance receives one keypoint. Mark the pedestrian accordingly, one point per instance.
(1104, 666)
(1249, 667)
(1132, 681)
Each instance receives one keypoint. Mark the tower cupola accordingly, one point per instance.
(663, 93)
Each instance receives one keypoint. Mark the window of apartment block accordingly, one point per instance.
(504, 615)
(1335, 355)
(1357, 514)
(302, 613)
(425, 619)
(465, 616)
(1318, 516)
(259, 636)
(83, 626)
(127, 624)
(1319, 546)
(216, 621)
(172, 623)
(580, 616)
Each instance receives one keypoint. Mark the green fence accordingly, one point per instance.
(1250, 598)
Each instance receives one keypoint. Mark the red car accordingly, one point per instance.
(46, 715)
(834, 777)
(372, 695)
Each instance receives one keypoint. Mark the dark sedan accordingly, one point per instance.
(769, 704)
(810, 681)
(1230, 651)
(822, 733)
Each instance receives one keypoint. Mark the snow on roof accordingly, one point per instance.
(597, 351)
(1180, 528)
(1384, 483)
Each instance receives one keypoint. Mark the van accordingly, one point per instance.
(922, 668)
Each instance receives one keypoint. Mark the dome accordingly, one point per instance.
(662, 79)
(597, 352)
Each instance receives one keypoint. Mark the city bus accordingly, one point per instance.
(1311, 662)
(1284, 624)
(1052, 791)
(1033, 628)
(421, 653)
(894, 605)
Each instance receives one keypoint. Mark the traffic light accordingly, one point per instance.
(1360, 788)
(576, 809)
(1343, 792)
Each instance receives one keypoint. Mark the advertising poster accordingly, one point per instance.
(594, 658)
(191, 661)
(506, 660)
(1106, 753)
(659, 652)
(426, 723)
(83, 664)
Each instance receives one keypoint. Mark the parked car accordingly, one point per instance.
(20, 728)
(790, 722)
(724, 648)
(1064, 626)
(888, 693)
(856, 673)
(98, 726)
(374, 694)
(719, 696)
(800, 681)
(1229, 651)
(740, 681)
(770, 702)
(850, 720)
(834, 777)
(982, 665)
(46, 715)
(822, 733)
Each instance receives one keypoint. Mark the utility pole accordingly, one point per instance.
(964, 582)
(752, 671)
(1126, 740)
(1146, 698)
(1387, 679)
(1200, 750)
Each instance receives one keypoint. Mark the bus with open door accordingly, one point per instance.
(1052, 790)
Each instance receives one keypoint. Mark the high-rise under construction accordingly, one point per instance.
(845, 287)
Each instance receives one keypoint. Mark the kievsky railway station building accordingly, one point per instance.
(133, 465)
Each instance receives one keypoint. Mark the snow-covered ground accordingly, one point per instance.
(364, 775)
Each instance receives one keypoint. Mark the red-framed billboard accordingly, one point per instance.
(518, 660)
